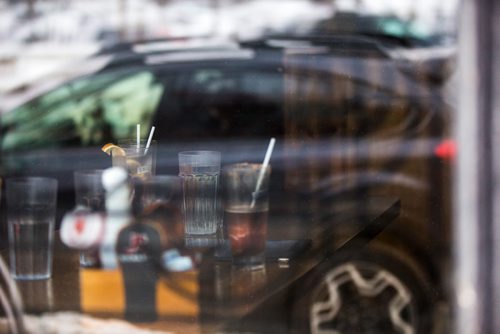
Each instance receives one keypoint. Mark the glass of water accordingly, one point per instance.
(31, 208)
(199, 171)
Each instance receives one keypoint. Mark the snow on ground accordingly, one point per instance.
(63, 31)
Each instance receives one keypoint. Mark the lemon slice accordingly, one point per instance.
(112, 149)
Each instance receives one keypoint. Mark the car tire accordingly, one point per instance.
(370, 291)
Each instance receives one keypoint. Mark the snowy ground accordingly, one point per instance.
(63, 31)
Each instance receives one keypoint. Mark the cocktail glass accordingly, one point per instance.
(138, 160)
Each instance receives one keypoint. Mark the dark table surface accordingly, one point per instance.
(227, 294)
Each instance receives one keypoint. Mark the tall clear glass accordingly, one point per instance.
(31, 208)
(199, 171)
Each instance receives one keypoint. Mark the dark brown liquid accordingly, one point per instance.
(247, 231)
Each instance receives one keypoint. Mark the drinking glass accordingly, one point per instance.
(31, 207)
(89, 191)
(90, 196)
(139, 161)
(199, 171)
(246, 212)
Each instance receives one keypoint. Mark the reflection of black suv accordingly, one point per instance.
(350, 119)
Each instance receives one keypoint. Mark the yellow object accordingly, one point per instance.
(112, 149)
(102, 292)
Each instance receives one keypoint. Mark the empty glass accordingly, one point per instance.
(199, 171)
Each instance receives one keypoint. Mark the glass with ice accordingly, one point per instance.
(31, 207)
(136, 157)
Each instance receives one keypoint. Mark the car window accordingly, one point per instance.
(88, 111)
(222, 102)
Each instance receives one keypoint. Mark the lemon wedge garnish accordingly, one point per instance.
(113, 149)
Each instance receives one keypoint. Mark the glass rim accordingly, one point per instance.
(199, 153)
(31, 180)
(200, 159)
(246, 166)
(130, 145)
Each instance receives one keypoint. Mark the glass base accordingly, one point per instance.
(202, 241)
(252, 262)
(193, 232)
(31, 277)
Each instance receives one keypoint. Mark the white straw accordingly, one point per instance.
(263, 169)
(138, 136)
(149, 139)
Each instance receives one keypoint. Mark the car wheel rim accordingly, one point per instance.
(362, 297)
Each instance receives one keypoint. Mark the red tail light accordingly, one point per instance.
(446, 150)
